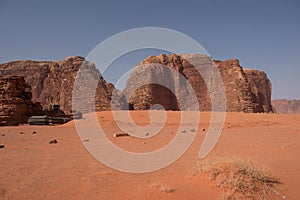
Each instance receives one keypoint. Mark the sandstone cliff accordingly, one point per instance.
(245, 91)
(285, 106)
(52, 82)
(261, 88)
(15, 101)
(168, 85)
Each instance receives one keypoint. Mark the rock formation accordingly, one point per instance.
(15, 101)
(248, 91)
(261, 87)
(168, 85)
(52, 82)
(172, 80)
(285, 106)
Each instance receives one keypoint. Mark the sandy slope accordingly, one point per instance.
(31, 168)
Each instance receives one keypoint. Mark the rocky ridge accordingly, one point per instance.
(52, 82)
(285, 106)
(246, 90)
(168, 81)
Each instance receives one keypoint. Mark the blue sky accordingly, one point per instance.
(261, 34)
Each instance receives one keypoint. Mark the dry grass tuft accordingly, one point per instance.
(241, 179)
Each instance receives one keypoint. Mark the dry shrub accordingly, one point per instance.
(241, 179)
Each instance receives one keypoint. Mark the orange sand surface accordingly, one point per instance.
(31, 168)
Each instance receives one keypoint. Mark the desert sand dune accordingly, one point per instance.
(31, 168)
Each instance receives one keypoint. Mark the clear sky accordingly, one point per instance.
(261, 34)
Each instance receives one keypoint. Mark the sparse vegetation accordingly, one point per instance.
(239, 178)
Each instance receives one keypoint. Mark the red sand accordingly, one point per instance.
(31, 168)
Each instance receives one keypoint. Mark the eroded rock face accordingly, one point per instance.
(261, 87)
(170, 88)
(172, 79)
(15, 101)
(245, 92)
(285, 106)
(141, 95)
(52, 82)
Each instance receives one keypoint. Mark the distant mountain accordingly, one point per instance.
(286, 106)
